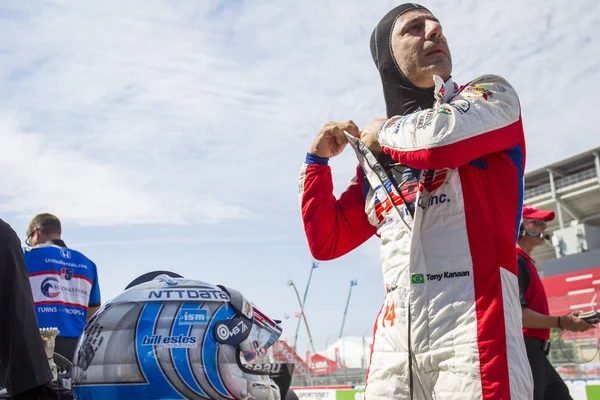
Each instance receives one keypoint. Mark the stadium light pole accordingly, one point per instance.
(352, 283)
(312, 268)
(314, 265)
(303, 315)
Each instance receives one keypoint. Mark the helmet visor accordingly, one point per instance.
(264, 333)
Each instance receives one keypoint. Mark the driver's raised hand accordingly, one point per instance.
(330, 140)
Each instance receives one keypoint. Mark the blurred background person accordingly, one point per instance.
(547, 384)
(64, 282)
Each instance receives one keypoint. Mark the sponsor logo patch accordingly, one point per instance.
(461, 105)
(50, 287)
(480, 90)
(447, 275)
(192, 317)
(424, 119)
(170, 341)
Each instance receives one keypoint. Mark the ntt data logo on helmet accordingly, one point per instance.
(417, 278)
(188, 294)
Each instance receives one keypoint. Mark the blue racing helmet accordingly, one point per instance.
(175, 338)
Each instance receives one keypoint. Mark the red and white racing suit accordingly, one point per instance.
(450, 326)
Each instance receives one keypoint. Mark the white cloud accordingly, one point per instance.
(194, 112)
(41, 174)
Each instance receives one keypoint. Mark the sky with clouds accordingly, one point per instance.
(169, 135)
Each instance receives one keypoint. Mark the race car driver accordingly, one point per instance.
(440, 182)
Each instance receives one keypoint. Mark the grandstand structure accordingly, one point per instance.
(570, 188)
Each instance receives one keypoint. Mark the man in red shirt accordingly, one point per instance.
(547, 384)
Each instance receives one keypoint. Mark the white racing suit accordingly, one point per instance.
(450, 326)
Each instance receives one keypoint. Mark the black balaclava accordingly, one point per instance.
(401, 96)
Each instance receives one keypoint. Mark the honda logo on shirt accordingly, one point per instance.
(65, 253)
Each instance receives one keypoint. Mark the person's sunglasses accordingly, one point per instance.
(538, 222)
(29, 236)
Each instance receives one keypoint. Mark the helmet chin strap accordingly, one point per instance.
(536, 235)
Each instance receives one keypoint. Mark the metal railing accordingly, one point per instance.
(561, 183)
(341, 377)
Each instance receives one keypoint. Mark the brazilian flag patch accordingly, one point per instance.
(417, 278)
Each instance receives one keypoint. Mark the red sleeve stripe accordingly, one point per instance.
(58, 273)
(462, 152)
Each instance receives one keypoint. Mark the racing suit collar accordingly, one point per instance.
(444, 91)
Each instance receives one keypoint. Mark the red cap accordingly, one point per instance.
(534, 213)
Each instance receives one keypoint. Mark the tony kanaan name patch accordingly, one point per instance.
(421, 278)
